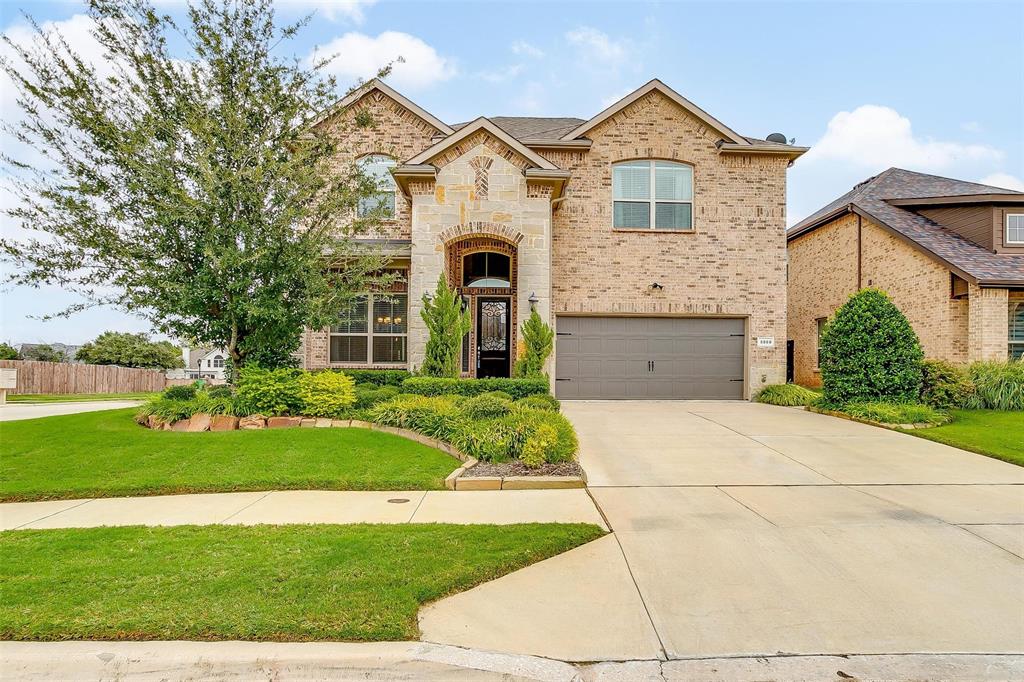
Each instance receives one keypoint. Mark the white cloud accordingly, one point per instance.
(526, 49)
(531, 99)
(597, 46)
(877, 137)
(1004, 180)
(612, 99)
(332, 10)
(416, 64)
(501, 75)
(971, 126)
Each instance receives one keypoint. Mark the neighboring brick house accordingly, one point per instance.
(950, 253)
(651, 237)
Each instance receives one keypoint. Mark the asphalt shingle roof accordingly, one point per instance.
(871, 197)
(533, 127)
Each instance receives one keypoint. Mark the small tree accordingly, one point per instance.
(8, 352)
(538, 341)
(130, 350)
(447, 323)
(869, 352)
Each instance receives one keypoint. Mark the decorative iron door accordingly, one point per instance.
(492, 338)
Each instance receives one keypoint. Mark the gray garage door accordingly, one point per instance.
(649, 358)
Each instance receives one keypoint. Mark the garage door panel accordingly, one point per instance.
(609, 357)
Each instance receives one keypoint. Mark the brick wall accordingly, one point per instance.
(988, 326)
(732, 264)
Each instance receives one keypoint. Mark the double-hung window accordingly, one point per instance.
(1016, 335)
(374, 330)
(651, 194)
(1015, 228)
(378, 167)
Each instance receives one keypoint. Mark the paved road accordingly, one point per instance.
(745, 529)
(15, 411)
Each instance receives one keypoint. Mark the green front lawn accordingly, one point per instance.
(106, 454)
(995, 433)
(76, 397)
(284, 583)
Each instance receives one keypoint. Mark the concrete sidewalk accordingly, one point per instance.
(17, 411)
(309, 506)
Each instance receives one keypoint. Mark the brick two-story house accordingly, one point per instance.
(950, 254)
(651, 237)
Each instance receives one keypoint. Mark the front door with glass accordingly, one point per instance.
(492, 339)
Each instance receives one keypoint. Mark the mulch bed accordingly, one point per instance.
(519, 469)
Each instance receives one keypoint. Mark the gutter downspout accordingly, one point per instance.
(860, 253)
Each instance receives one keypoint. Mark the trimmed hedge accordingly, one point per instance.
(516, 388)
(870, 353)
(377, 377)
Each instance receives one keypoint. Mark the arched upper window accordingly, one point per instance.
(378, 167)
(218, 361)
(487, 269)
(651, 194)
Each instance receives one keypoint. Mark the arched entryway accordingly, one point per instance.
(483, 269)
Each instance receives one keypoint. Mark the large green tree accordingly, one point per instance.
(189, 186)
(130, 350)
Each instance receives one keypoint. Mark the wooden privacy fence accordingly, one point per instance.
(58, 377)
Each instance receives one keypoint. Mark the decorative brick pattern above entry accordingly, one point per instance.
(481, 164)
(481, 229)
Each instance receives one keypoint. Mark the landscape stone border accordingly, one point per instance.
(454, 481)
(870, 422)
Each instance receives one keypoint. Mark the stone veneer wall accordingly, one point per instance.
(823, 274)
(451, 208)
(732, 264)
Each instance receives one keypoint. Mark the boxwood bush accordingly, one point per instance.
(869, 352)
(516, 388)
(324, 394)
(269, 391)
(540, 401)
(377, 377)
(186, 392)
(368, 395)
(486, 406)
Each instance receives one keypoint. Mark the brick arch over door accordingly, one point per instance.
(480, 229)
(457, 246)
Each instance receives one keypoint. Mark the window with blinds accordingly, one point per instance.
(652, 194)
(374, 330)
(1016, 336)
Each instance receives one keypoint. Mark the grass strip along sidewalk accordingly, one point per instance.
(282, 583)
(105, 454)
(995, 433)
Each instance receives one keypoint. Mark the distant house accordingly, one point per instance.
(28, 351)
(201, 363)
(950, 254)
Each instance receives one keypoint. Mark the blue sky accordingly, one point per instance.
(933, 87)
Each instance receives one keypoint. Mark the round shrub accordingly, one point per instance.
(219, 392)
(537, 446)
(186, 392)
(499, 394)
(540, 401)
(486, 407)
(520, 426)
(944, 385)
(268, 391)
(869, 352)
(368, 395)
(787, 395)
(325, 394)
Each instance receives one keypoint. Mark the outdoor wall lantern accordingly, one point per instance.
(533, 300)
(655, 286)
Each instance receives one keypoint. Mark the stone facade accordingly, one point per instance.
(823, 274)
(732, 264)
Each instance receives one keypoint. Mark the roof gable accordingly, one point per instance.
(482, 124)
(376, 84)
(728, 133)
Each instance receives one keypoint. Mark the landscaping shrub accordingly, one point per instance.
(869, 352)
(207, 403)
(437, 417)
(219, 392)
(186, 392)
(896, 413)
(378, 377)
(325, 394)
(368, 395)
(788, 395)
(997, 385)
(499, 394)
(944, 385)
(543, 440)
(521, 425)
(540, 401)
(516, 388)
(268, 391)
(447, 323)
(487, 406)
(168, 410)
(538, 341)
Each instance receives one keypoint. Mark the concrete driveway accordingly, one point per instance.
(745, 529)
(17, 411)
